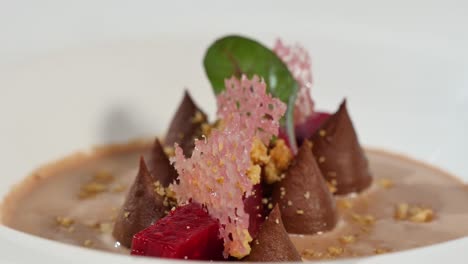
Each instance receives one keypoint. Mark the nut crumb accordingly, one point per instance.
(335, 251)
(88, 243)
(365, 220)
(64, 221)
(345, 204)
(169, 151)
(381, 251)
(385, 183)
(91, 189)
(253, 173)
(277, 221)
(126, 214)
(307, 195)
(198, 118)
(310, 253)
(106, 228)
(322, 132)
(416, 214)
(300, 212)
(259, 153)
(348, 239)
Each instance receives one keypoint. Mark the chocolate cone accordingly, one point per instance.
(141, 208)
(160, 166)
(185, 125)
(306, 204)
(273, 243)
(339, 155)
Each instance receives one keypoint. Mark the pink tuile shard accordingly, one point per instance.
(299, 64)
(216, 173)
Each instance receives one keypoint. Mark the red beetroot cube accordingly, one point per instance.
(188, 232)
(254, 207)
(310, 126)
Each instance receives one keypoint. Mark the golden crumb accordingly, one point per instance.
(281, 155)
(401, 211)
(206, 129)
(64, 221)
(300, 212)
(91, 189)
(332, 186)
(422, 215)
(88, 243)
(282, 192)
(271, 173)
(159, 189)
(381, 251)
(170, 192)
(103, 176)
(198, 118)
(335, 251)
(416, 214)
(307, 195)
(365, 220)
(310, 253)
(322, 132)
(270, 206)
(259, 153)
(345, 204)
(290, 203)
(169, 151)
(106, 228)
(126, 214)
(264, 200)
(321, 159)
(253, 173)
(347, 239)
(385, 183)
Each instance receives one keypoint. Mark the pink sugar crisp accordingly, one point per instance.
(216, 173)
(298, 61)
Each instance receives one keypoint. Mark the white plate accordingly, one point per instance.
(70, 71)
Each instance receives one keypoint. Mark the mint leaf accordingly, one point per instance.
(236, 55)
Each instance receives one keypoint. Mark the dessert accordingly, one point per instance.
(270, 179)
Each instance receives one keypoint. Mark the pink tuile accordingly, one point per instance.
(299, 63)
(226, 155)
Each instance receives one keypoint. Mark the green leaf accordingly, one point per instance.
(236, 55)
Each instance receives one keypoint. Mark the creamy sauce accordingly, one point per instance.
(53, 191)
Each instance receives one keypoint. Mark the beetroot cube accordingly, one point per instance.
(312, 124)
(188, 232)
(254, 207)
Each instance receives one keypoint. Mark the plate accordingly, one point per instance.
(77, 74)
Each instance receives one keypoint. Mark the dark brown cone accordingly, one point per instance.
(141, 208)
(185, 126)
(306, 204)
(272, 243)
(339, 155)
(160, 166)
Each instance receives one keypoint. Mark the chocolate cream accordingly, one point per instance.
(408, 205)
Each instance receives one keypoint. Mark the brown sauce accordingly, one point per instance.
(367, 223)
